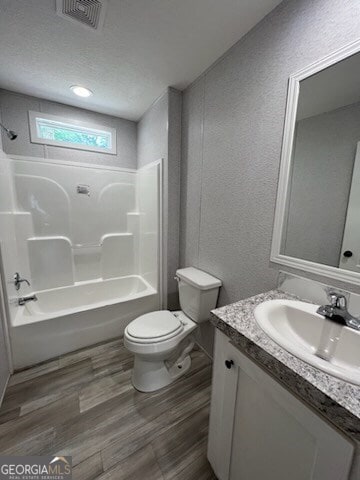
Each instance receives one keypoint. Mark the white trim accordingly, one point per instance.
(34, 134)
(285, 172)
(5, 314)
(164, 233)
(324, 270)
(163, 230)
(162, 285)
(25, 158)
(151, 164)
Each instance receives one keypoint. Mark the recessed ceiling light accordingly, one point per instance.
(81, 91)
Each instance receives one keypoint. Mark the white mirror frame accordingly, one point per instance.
(285, 171)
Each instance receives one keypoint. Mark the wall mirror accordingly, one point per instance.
(317, 218)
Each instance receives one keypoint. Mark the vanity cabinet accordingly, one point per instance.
(259, 430)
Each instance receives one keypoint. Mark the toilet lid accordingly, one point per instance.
(154, 325)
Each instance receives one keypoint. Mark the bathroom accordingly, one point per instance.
(180, 286)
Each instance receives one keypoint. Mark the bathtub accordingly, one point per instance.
(65, 319)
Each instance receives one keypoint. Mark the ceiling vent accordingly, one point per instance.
(90, 13)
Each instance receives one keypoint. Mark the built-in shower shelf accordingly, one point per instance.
(85, 245)
(114, 235)
(55, 262)
(51, 262)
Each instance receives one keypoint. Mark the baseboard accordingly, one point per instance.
(5, 387)
(204, 351)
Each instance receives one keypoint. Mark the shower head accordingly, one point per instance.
(10, 133)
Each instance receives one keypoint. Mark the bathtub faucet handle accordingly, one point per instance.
(18, 281)
(24, 300)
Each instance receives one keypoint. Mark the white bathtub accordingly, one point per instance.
(68, 318)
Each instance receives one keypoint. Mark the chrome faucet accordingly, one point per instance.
(28, 298)
(18, 281)
(337, 311)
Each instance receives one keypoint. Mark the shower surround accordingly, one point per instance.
(87, 238)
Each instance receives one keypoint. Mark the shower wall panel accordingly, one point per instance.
(9, 253)
(8, 265)
(80, 227)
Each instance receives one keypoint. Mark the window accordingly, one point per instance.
(53, 130)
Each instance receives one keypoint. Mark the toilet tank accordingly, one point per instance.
(198, 292)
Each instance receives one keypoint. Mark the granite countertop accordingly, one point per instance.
(334, 399)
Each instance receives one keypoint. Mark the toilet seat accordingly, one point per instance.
(154, 327)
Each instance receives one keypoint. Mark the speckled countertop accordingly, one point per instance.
(334, 399)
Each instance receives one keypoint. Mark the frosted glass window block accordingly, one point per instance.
(53, 130)
(63, 133)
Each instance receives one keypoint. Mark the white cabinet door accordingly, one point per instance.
(264, 432)
(222, 410)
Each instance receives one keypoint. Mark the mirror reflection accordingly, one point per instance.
(323, 210)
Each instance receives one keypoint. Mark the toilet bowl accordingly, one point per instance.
(153, 337)
(161, 341)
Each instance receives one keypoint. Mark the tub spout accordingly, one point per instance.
(28, 298)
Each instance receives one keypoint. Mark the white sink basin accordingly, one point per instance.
(297, 328)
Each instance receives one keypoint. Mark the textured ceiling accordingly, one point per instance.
(144, 47)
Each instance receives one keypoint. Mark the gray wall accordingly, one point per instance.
(233, 118)
(159, 136)
(153, 132)
(14, 109)
(321, 179)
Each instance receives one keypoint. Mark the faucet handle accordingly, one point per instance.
(333, 299)
(338, 300)
(18, 281)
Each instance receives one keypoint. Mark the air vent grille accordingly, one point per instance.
(89, 13)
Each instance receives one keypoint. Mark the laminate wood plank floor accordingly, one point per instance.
(83, 404)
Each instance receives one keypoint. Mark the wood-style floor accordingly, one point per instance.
(83, 404)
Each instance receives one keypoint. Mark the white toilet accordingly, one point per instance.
(162, 340)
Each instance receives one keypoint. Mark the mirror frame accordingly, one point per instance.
(286, 166)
